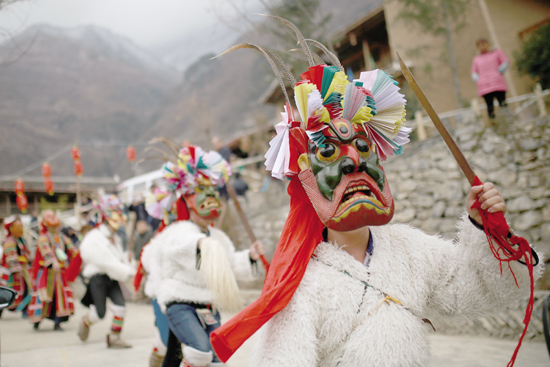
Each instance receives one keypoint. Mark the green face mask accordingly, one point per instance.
(206, 202)
(345, 180)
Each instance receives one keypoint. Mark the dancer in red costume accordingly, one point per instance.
(56, 263)
(16, 264)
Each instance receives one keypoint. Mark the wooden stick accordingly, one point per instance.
(242, 216)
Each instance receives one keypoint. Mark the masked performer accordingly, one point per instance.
(105, 264)
(199, 262)
(16, 264)
(56, 263)
(345, 288)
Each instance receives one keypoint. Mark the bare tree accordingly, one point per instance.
(441, 18)
(17, 51)
(307, 15)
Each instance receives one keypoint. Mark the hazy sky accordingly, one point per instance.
(149, 23)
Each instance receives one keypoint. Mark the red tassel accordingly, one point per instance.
(506, 250)
(139, 276)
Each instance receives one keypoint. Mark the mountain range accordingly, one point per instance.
(90, 87)
(77, 86)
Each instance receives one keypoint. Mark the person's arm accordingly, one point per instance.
(10, 252)
(474, 71)
(94, 250)
(502, 61)
(43, 246)
(467, 280)
(503, 67)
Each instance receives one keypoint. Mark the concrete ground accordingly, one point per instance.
(22, 346)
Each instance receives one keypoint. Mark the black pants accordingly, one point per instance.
(489, 98)
(174, 354)
(99, 288)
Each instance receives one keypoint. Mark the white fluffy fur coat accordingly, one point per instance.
(176, 256)
(100, 256)
(333, 319)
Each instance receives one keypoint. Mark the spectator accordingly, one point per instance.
(34, 218)
(69, 232)
(239, 185)
(488, 69)
(143, 235)
(138, 206)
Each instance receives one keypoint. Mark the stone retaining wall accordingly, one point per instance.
(430, 191)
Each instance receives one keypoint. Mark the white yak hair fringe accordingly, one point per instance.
(220, 280)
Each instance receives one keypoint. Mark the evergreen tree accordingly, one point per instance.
(533, 57)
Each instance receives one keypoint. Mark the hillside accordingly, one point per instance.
(78, 85)
(88, 85)
(223, 96)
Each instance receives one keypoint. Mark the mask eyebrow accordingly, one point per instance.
(362, 134)
(329, 133)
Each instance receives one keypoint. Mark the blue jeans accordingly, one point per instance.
(185, 324)
(161, 323)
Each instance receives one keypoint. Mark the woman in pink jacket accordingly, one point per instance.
(488, 72)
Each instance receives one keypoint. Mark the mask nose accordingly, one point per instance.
(351, 161)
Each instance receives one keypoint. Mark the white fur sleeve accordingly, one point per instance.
(94, 250)
(242, 267)
(289, 338)
(467, 279)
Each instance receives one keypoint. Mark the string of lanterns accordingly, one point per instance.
(21, 199)
(47, 174)
(78, 168)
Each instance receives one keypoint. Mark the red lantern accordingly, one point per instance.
(19, 186)
(75, 153)
(48, 185)
(46, 170)
(22, 202)
(78, 169)
(131, 153)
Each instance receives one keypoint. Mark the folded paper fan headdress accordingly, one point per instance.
(324, 93)
(107, 207)
(372, 103)
(196, 167)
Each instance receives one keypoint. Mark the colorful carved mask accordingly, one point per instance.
(346, 129)
(50, 220)
(14, 226)
(349, 129)
(111, 210)
(344, 180)
(205, 202)
(198, 176)
(114, 219)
